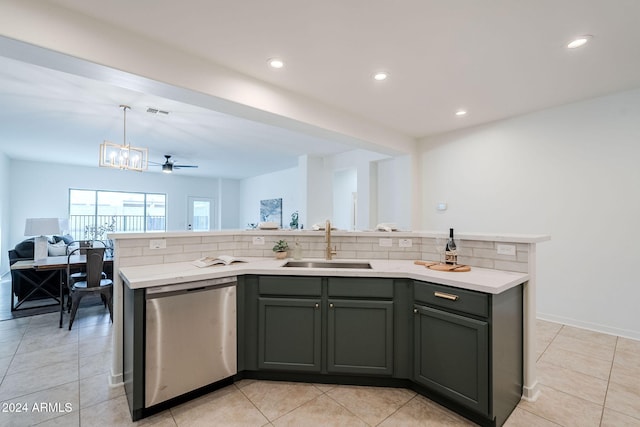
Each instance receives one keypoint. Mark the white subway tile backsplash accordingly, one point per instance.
(170, 249)
(478, 244)
(475, 253)
(477, 262)
(373, 255)
(366, 239)
(133, 261)
(124, 251)
(492, 254)
(346, 254)
(519, 267)
(230, 246)
(405, 255)
(201, 247)
(186, 240)
(183, 257)
(131, 243)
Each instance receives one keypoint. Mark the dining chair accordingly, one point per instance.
(94, 282)
(79, 273)
(83, 245)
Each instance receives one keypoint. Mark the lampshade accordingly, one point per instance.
(41, 226)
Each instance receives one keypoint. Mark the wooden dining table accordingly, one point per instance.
(59, 263)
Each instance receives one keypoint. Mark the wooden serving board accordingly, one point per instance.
(448, 267)
(425, 263)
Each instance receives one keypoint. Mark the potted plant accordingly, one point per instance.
(280, 248)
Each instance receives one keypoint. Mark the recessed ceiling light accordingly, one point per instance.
(380, 75)
(579, 41)
(276, 63)
(461, 113)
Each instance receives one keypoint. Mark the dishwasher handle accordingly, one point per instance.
(197, 286)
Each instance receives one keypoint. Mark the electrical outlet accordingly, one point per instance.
(157, 244)
(506, 250)
(387, 243)
(405, 243)
(258, 240)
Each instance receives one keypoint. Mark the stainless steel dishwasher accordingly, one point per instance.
(190, 337)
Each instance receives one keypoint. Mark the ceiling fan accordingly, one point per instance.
(169, 165)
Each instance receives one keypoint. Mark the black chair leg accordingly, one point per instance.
(109, 299)
(75, 302)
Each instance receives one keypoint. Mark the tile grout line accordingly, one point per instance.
(609, 380)
(347, 409)
(256, 406)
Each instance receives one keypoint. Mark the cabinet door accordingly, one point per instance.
(289, 333)
(451, 356)
(360, 337)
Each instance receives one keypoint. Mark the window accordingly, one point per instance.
(93, 213)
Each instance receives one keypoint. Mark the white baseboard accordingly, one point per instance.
(531, 394)
(115, 380)
(625, 333)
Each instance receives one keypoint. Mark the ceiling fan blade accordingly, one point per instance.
(184, 166)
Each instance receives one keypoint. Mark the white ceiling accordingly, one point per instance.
(493, 58)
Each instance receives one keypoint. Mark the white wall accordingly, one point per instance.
(4, 214)
(229, 203)
(282, 184)
(570, 171)
(42, 190)
(366, 164)
(317, 188)
(345, 183)
(395, 191)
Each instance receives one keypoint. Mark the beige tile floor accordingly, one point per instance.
(587, 379)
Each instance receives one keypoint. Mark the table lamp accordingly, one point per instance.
(40, 228)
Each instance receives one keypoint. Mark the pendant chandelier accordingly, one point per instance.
(123, 156)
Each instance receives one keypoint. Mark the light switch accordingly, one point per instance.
(387, 243)
(506, 249)
(405, 243)
(258, 240)
(157, 244)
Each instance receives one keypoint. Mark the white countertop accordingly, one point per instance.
(478, 279)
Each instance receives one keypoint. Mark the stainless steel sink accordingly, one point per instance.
(327, 264)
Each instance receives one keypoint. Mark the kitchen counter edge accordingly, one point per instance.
(478, 279)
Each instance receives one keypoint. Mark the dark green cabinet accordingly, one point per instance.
(360, 337)
(451, 356)
(468, 347)
(325, 325)
(289, 334)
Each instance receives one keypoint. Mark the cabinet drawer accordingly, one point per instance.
(360, 287)
(290, 285)
(452, 298)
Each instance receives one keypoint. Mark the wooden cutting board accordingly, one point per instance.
(443, 267)
(425, 263)
(448, 267)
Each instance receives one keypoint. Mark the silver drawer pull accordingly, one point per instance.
(317, 305)
(445, 296)
(331, 305)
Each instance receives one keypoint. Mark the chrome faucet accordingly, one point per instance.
(329, 253)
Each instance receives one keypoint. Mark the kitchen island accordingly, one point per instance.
(454, 337)
(148, 264)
